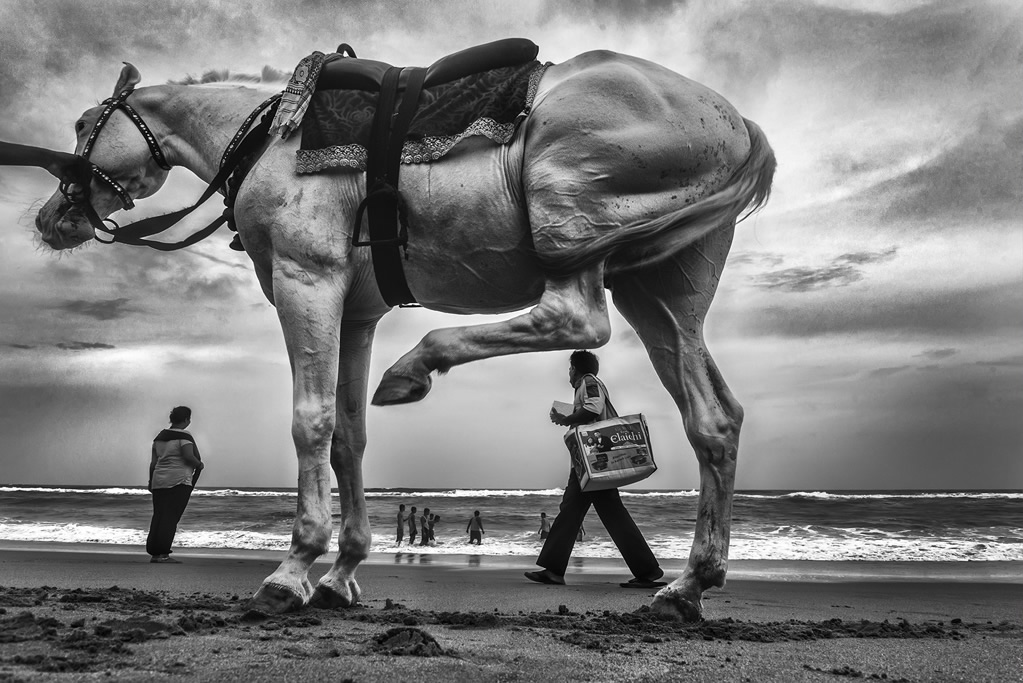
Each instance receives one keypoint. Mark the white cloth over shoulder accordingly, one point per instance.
(171, 469)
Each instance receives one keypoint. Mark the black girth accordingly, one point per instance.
(386, 205)
(398, 101)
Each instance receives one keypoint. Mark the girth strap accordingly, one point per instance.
(383, 200)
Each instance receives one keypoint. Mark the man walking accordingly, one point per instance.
(590, 405)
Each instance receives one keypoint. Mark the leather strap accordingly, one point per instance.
(383, 201)
(135, 233)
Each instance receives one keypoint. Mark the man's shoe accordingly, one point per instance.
(546, 576)
(164, 559)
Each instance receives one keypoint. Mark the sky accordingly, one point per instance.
(869, 319)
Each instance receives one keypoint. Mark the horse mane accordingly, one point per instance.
(268, 75)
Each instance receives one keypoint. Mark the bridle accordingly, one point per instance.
(119, 101)
(240, 147)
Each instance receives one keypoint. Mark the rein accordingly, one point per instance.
(244, 143)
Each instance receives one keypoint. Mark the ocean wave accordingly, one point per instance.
(553, 492)
(461, 493)
(915, 495)
(781, 544)
(112, 491)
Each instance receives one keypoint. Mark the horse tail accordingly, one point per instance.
(647, 242)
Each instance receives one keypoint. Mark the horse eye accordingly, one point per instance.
(80, 126)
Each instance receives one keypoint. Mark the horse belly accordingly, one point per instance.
(470, 248)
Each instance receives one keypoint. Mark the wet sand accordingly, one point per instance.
(87, 613)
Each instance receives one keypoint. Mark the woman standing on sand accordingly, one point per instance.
(173, 472)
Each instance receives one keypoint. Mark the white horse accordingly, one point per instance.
(625, 176)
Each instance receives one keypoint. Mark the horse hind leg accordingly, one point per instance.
(571, 314)
(666, 304)
(338, 587)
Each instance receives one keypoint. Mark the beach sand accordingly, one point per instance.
(85, 612)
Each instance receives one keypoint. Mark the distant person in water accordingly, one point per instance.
(433, 521)
(412, 526)
(173, 472)
(545, 526)
(582, 532)
(401, 524)
(475, 529)
(424, 527)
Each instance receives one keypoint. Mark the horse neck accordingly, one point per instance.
(195, 124)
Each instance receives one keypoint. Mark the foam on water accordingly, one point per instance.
(780, 544)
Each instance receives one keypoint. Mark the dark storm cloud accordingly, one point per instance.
(843, 270)
(42, 43)
(886, 372)
(959, 313)
(888, 56)
(978, 178)
(938, 354)
(801, 279)
(945, 77)
(108, 309)
(83, 346)
(754, 259)
(865, 257)
(1009, 362)
(618, 11)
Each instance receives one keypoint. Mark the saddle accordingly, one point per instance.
(399, 89)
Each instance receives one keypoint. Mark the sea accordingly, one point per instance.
(837, 526)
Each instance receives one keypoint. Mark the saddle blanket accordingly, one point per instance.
(337, 123)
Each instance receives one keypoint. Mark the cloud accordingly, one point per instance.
(977, 179)
(1008, 362)
(938, 354)
(616, 11)
(108, 309)
(943, 314)
(840, 272)
(886, 372)
(83, 346)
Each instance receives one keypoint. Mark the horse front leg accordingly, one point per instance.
(338, 587)
(309, 305)
(571, 314)
(666, 305)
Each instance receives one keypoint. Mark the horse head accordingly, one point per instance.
(127, 164)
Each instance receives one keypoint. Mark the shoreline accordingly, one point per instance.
(85, 611)
(812, 571)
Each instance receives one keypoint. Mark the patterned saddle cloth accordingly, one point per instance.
(336, 124)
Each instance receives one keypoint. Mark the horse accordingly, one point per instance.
(625, 176)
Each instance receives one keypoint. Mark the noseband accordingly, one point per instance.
(119, 101)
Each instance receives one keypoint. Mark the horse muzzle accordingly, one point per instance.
(63, 225)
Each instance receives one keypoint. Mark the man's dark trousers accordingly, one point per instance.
(613, 515)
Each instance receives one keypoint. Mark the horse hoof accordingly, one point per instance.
(276, 599)
(326, 597)
(678, 605)
(395, 389)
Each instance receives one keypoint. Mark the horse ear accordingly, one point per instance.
(129, 78)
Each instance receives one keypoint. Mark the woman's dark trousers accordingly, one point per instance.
(616, 519)
(168, 506)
